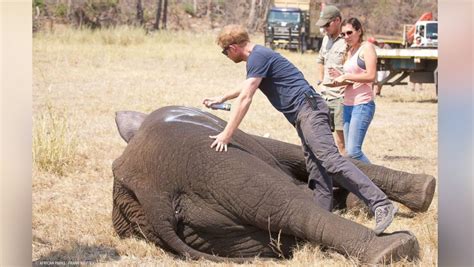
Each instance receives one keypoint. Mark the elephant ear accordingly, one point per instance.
(128, 123)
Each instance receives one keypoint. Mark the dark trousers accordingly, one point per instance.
(324, 163)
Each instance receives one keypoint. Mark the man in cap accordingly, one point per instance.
(331, 55)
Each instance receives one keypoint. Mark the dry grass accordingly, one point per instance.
(54, 141)
(87, 76)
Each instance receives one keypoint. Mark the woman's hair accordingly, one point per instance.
(232, 34)
(356, 25)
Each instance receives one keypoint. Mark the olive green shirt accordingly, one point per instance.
(330, 55)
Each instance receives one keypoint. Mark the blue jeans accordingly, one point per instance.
(356, 123)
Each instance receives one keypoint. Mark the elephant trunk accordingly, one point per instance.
(168, 234)
(310, 222)
(415, 191)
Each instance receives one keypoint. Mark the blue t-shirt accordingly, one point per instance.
(282, 83)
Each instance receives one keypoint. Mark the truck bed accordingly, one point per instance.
(422, 53)
(302, 4)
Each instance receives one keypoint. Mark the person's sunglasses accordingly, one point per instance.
(327, 24)
(348, 33)
(225, 51)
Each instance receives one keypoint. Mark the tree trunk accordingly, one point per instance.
(262, 15)
(209, 7)
(69, 6)
(158, 15)
(165, 14)
(140, 17)
(251, 19)
(259, 14)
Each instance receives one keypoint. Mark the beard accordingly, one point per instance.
(237, 59)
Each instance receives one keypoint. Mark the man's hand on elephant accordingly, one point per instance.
(220, 142)
(214, 100)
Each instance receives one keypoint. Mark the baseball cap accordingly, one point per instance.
(372, 40)
(327, 14)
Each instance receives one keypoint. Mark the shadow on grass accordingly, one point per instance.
(406, 215)
(386, 157)
(364, 211)
(431, 100)
(78, 255)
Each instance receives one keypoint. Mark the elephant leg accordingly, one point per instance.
(208, 227)
(162, 228)
(266, 198)
(128, 217)
(415, 191)
(289, 155)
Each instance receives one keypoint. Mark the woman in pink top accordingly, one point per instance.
(359, 72)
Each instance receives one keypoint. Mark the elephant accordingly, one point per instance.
(172, 189)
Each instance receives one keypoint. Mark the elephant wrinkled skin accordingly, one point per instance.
(173, 190)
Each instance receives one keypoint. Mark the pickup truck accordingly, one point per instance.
(420, 65)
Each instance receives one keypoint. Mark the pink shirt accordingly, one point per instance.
(357, 93)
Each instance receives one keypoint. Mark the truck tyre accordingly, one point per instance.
(267, 41)
(315, 43)
(319, 42)
(268, 44)
(302, 43)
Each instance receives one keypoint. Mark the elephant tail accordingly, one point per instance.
(128, 123)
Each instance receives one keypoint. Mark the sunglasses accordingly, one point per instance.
(225, 51)
(327, 24)
(348, 33)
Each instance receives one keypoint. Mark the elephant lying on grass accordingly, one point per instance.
(171, 188)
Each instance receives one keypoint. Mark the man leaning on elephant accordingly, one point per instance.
(290, 93)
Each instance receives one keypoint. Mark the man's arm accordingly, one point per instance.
(320, 63)
(320, 73)
(242, 105)
(220, 99)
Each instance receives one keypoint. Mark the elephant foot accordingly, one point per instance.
(418, 199)
(426, 193)
(393, 247)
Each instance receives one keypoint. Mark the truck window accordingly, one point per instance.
(422, 31)
(432, 30)
(284, 16)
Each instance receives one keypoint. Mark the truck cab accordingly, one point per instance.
(285, 28)
(426, 34)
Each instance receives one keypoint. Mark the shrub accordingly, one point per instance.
(54, 142)
(189, 9)
(60, 10)
(38, 3)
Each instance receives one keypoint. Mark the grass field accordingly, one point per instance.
(81, 78)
